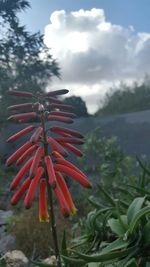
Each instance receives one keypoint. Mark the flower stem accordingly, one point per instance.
(50, 199)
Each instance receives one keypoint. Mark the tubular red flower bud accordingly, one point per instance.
(20, 93)
(58, 92)
(66, 192)
(26, 154)
(56, 146)
(21, 190)
(57, 155)
(60, 113)
(13, 158)
(21, 133)
(21, 106)
(77, 176)
(54, 100)
(72, 140)
(36, 135)
(59, 118)
(21, 174)
(43, 211)
(62, 202)
(50, 171)
(59, 130)
(62, 161)
(60, 106)
(32, 188)
(36, 160)
(22, 117)
(73, 149)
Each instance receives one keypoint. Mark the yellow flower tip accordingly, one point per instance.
(73, 211)
(44, 219)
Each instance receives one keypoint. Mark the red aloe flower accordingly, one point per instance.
(32, 188)
(62, 201)
(66, 193)
(26, 154)
(13, 158)
(43, 211)
(21, 190)
(50, 171)
(44, 155)
(21, 133)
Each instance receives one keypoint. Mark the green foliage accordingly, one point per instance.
(116, 232)
(126, 99)
(103, 158)
(78, 104)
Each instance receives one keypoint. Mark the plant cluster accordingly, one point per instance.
(44, 155)
(117, 231)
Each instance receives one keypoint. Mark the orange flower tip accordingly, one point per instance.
(44, 219)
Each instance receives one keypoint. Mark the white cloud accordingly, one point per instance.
(94, 53)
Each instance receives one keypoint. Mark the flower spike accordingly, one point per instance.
(43, 156)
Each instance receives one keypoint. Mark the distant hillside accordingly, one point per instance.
(132, 130)
(125, 100)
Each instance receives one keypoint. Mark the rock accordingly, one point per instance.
(7, 241)
(50, 260)
(15, 258)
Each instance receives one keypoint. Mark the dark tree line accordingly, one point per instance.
(25, 62)
(126, 99)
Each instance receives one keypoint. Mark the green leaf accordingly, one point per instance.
(143, 167)
(104, 257)
(93, 264)
(107, 196)
(146, 234)
(40, 264)
(130, 263)
(134, 208)
(115, 245)
(64, 245)
(139, 189)
(137, 218)
(72, 260)
(117, 227)
(3, 262)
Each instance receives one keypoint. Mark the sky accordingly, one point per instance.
(98, 43)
